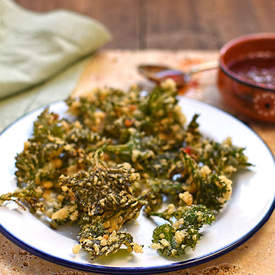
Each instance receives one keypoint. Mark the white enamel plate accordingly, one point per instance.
(250, 207)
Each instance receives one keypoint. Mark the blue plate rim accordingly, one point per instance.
(145, 270)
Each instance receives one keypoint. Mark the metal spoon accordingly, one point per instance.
(158, 73)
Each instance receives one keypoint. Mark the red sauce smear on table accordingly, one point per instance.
(256, 70)
(191, 84)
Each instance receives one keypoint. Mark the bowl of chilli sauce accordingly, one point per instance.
(246, 76)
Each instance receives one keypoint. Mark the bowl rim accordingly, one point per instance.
(241, 39)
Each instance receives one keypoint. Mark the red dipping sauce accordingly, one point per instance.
(256, 70)
(246, 76)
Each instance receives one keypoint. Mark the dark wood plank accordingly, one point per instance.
(121, 17)
(237, 18)
(185, 24)
(171, 26)
(166, 24)
(265, 11)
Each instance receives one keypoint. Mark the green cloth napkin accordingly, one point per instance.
(34, 47)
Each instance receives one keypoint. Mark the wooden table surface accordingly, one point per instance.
(166, 24)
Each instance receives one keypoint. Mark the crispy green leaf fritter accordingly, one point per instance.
(118, 153)
(172, 239)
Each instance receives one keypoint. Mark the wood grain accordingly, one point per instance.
(178, 26)
(164, 24)
(121, 17)
(202, 24)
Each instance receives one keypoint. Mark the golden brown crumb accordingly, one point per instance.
(156, 246)
(186, 197)
(47, 184)
(61, 214)
(227, 194)
(179, 236)
(178, 223)
(47, 194)
(137, 248)
(164, 242)
(169, 84)
(74, 216)
(76, 248)
(205, 170)
(171, 208)
(64, 188)
(57, 163)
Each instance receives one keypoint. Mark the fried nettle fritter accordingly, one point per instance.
(103, 201)
(183, 229)
(121, 152)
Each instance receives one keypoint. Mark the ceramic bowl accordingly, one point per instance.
(249, 99)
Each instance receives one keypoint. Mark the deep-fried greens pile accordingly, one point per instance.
(123, 152)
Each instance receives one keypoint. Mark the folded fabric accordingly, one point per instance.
(34, 47)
